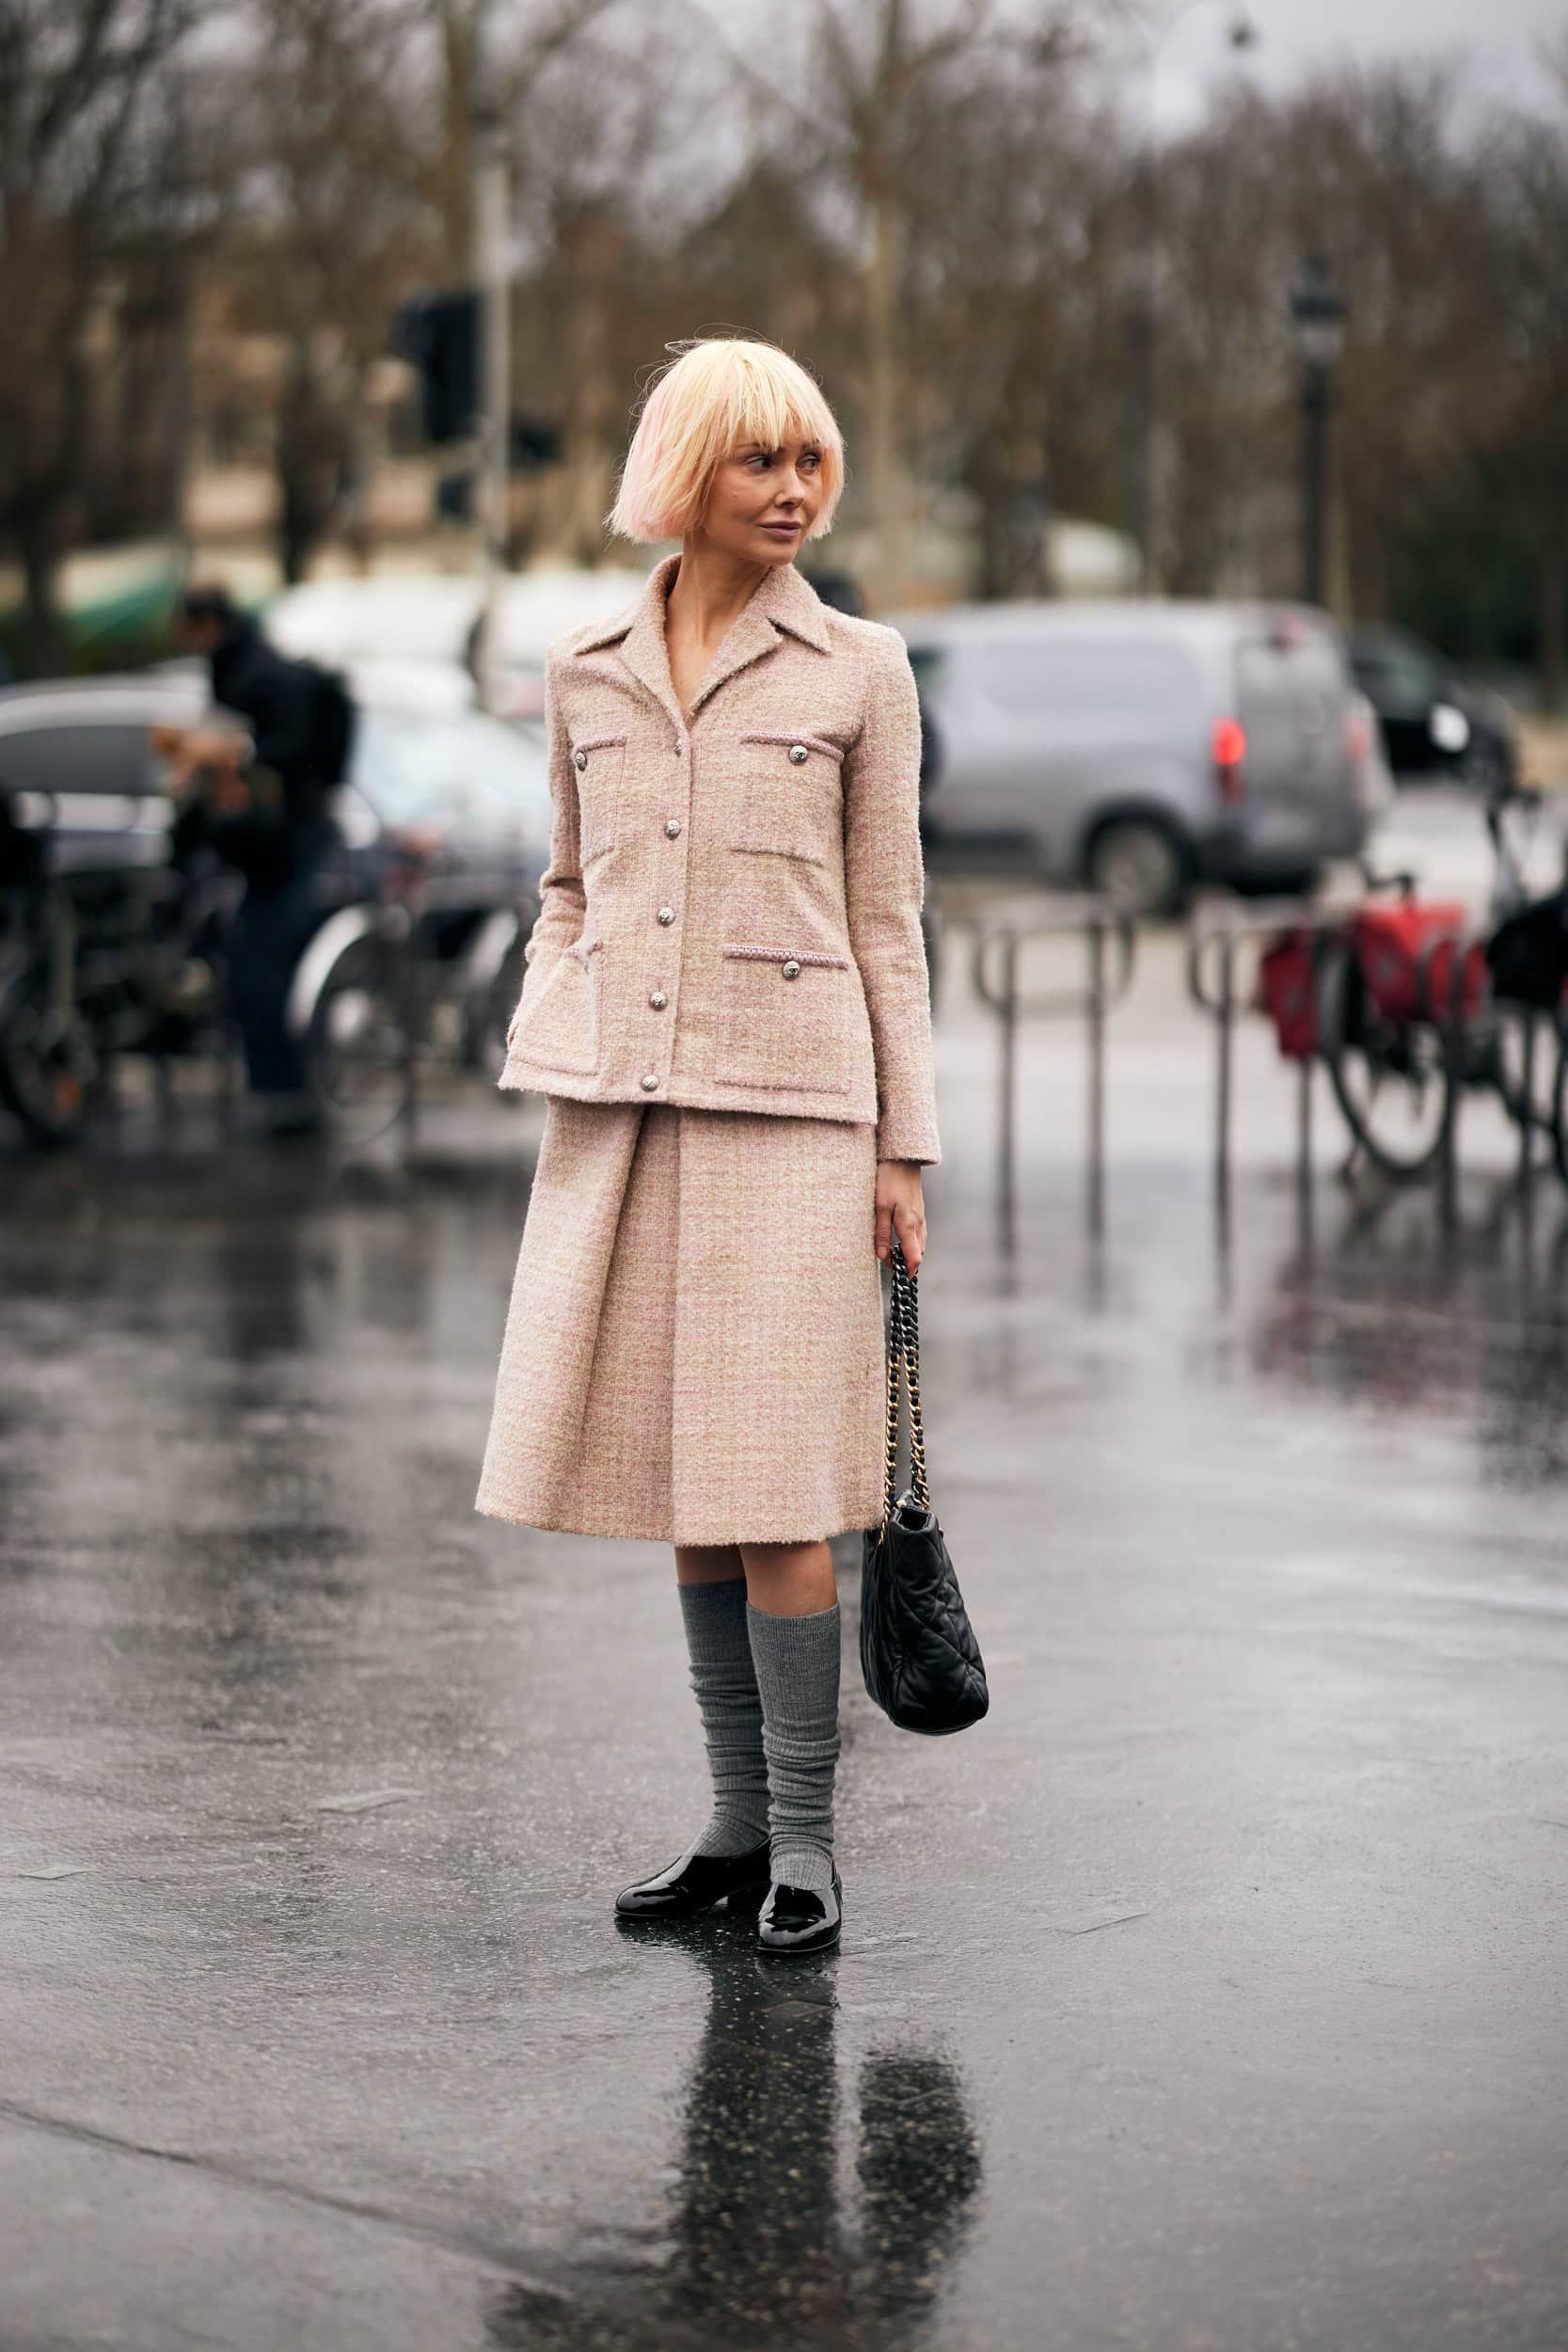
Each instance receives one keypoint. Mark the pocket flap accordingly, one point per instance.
(820, 743)
(750, 954)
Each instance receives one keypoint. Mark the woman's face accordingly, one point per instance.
(765, 501)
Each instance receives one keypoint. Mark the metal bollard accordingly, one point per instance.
(997, 945)
(1095, 939)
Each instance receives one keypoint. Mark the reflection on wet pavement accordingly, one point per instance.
(758, 2241)
(1208, 1995)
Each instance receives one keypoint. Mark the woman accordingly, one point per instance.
(726, 1003)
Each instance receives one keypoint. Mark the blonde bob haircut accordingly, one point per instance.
(714, 395)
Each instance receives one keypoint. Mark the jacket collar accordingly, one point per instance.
(782, 602)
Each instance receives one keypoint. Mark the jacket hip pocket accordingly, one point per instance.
(559, 1029)
(790, 801)
(787, 1019)
(598, 760)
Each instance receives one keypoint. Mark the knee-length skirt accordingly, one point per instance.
(694, 1346)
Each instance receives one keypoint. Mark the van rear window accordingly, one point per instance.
(1312, 664)
(1085, 679)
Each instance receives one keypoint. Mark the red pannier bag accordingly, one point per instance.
(1404, 953)
(1286, 994)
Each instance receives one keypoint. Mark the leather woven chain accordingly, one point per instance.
(903, 1363)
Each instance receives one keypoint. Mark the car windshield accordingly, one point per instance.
(456, 768)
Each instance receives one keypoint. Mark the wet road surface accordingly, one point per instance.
(1210, 1997)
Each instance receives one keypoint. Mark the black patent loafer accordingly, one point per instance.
(696, 1883)
(800, 1918)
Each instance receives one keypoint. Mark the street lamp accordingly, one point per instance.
(1242, 34)
(1318, 311)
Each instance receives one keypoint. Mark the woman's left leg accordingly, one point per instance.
(794, 1621)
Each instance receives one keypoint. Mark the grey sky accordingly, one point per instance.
(1500, 38)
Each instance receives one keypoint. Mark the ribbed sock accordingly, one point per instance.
(797, 1662)
(727, 1686)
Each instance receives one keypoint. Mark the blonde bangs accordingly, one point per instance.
(714, 395)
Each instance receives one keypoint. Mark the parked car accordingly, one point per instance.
(1138, 748)
(445, 818)
(1431, 721)
(80, 750)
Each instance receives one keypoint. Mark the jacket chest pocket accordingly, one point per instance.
(597, 761)
(789, 800)
(787, 1019)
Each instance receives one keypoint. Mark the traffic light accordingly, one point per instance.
(439, 334)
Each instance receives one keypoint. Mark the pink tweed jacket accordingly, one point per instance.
(730, 913)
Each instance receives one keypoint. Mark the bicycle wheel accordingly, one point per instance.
(1388, 1076)
(48, 1067)
(357, 1045)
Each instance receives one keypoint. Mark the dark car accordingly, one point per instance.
(1433, 722)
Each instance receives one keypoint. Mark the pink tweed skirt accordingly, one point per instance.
(693, 1349)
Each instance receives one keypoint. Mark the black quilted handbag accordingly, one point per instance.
(918, 1652)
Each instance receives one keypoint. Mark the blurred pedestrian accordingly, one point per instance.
(270, 817)
(727, 1006)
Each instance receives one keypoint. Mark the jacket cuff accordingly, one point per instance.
(905, 1143)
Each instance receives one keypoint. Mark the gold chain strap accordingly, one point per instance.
(903, 1362)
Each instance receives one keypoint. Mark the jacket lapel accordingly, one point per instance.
(783, 601)
(749, 638)
(643, 649)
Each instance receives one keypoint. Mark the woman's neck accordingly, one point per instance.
(710, 592)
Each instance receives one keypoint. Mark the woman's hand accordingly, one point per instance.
(901, 1208)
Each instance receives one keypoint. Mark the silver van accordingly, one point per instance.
(1137, 748)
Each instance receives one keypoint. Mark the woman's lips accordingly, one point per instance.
(783, 530)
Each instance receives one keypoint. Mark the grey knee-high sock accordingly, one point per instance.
(797, 1666)
(727, 1687)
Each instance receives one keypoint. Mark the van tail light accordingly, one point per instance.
(1229, 754)
(1359, 735)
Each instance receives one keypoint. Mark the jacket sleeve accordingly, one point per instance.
(561, 903)
(884, 883)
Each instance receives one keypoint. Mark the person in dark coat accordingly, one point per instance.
(280, 842)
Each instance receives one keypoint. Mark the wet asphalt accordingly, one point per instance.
(1210, 1996)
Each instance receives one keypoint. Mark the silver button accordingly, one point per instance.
(666, 916)
(650, 1079)
(673, 828)
(658, 1000)
(797, 753)
(581, 759)
(792, 970)
(680, 747)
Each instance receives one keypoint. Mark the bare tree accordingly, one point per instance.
(1531, 356)
(81, 84)
(310, 130)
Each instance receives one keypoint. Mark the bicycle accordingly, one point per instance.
(1403, 1006)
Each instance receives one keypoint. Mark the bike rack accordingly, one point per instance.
(1213, 942)
(1000, 934)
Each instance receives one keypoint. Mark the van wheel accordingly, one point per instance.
(1138, 866)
